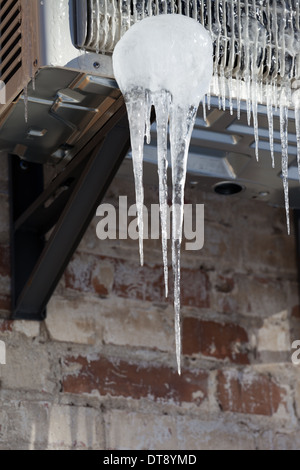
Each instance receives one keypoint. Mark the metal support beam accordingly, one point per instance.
(26, 184)
(74, 209)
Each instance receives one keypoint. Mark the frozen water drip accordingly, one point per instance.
(165, 61)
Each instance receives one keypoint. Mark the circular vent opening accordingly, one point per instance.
(227, 188)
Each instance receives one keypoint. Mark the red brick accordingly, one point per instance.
(120, 378)
(5, 325)
(251, 394)
(4, 260)
(98, 287)
(219, 340)
(296, 311)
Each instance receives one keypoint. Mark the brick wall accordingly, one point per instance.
(100, 372)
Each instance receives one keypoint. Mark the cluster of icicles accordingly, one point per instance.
(256, 55)
(249, 82)
(149, 73)
(180, 122)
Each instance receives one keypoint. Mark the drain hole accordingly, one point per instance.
(228, 188)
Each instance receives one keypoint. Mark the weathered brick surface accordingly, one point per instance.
(5, 303)
(31, 329)
(4, 260)
(231, 295)
(219, 340)
(27, 367)
(113, 321)
(31, 425)
(72, 427)
(249, 393)
(101, 275)
(279, 440)
(5, 325)
(151, 432)
(100, 372)
(274, 334)
(116, 377)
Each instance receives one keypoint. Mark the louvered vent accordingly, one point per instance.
(10, 39)
(18, 29)
(10, 47)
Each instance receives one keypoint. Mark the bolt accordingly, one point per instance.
(23, 165)
(96, 65)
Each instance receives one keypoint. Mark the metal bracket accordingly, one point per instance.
(37, 265)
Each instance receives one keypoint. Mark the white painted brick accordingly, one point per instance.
(31, 329)
(145, 431)
(25, 423)
(74, 427)
(72, 320)
(27, 367)
(135, 324)
(274, 335)
(273, 439)
(86, 320)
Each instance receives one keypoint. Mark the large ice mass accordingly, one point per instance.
(164, 61)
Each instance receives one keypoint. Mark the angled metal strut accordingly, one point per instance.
(37, 265)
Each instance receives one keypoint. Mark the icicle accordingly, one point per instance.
(27, 53)
(25, 96)
(147, 116)
(223, 88)
(97, 13)
(238, 97)
(297, 122)
(181, 126)
(114, 18)
(162, 101)
(296, 100)
(271, 126)
(208, 95)
(247, 61)
(204, 109)
(284, 148)
(230, 96)
(275, 95)
(254, 110)
(136, 109)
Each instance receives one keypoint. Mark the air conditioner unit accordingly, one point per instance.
(57, 91)
(66, 47)
(54, 91)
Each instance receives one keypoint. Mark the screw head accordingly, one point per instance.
(96, 65)
(23, 165)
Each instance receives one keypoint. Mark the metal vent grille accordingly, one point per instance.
(10, 39)
(235, 26)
